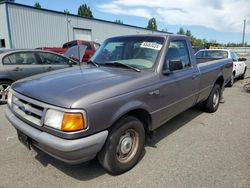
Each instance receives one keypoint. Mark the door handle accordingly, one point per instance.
(50, 68)
(17, 69)
(194, 76)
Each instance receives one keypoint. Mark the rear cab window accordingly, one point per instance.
(86, 44)
(96, 46)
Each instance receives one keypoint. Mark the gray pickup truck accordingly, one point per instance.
(107, 108)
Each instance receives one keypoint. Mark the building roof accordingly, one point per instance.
(95, 19)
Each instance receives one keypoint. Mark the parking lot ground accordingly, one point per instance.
(195, 149)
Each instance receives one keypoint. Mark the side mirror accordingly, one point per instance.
(167, 72)
(175, 65)
(72, 62)
(242, 59)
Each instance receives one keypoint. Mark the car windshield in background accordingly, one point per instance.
(212, 54)
(138, 52)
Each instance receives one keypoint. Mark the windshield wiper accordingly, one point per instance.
(117, 64)
(93, 63)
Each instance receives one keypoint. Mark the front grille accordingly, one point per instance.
(28, 111)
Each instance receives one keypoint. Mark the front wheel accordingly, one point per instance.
(4, 88)
(124, 146)
(213, 100)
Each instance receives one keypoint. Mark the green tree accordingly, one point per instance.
(181, 31)
(13, 1)
(66, 11)
(152, 24)
(188, 33)
(119, 21)
(37, 5)
(84, 10)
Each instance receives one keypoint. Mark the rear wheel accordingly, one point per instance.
(4, 88)
(243, 75)
(231, 82)
(124, 146)
(213, 100)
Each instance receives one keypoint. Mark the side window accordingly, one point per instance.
(87, 44)
(96, 46)
(25, 58)
(6, 61)
(177, 56)
(53, 59)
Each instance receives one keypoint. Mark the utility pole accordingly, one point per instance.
(243, 38)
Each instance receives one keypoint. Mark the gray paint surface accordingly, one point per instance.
(122, 90)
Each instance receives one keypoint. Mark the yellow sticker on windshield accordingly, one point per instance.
(151, 45)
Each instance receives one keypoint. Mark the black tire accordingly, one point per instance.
(123, 146)
(242, 77)
(4, 88)
(212, 103)
(231, 82)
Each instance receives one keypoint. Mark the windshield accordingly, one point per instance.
(138, 51)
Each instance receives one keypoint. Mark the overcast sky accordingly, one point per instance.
(220, 20)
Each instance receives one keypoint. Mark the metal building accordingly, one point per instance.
(24, 26)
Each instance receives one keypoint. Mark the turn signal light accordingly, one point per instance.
(72, 122)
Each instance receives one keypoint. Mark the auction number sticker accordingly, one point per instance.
(151, 45)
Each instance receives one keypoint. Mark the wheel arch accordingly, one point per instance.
(220, 81)
(139, 112)
(6, 79)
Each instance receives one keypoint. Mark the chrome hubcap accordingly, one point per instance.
(216, 98)
(127, 146)
(4, 88)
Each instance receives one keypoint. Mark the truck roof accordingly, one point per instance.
(153, 35)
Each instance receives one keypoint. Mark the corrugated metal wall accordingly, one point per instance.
(3, 25)
(32, 28)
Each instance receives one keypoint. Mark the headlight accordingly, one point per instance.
(9, 99)
(64, 121)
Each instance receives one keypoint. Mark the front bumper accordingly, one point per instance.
(70, 151)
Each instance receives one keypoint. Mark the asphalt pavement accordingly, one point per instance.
(195, 149)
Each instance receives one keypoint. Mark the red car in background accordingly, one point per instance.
(90, 50)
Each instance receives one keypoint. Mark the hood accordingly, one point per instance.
(65, 87)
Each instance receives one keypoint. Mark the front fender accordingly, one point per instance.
(128, 107)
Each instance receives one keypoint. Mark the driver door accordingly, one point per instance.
(179, 81)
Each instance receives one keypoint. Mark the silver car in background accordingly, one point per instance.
(18, 64)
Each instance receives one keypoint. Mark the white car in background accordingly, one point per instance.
(239, 67)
